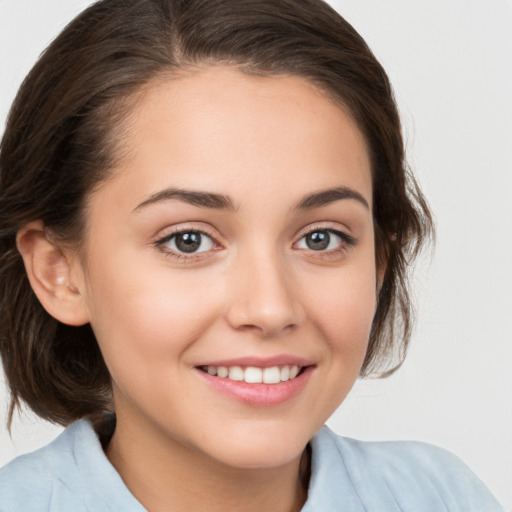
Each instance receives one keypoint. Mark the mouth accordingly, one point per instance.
(255, 374)
(257, 385)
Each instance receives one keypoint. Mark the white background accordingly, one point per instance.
(451, 66)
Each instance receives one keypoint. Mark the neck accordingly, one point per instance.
(160, 471)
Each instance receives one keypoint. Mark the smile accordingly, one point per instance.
(257, 383)
(253, 374)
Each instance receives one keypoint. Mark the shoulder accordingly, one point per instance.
(70, 474)
(49, 478)
(411, 475)
(43, 480)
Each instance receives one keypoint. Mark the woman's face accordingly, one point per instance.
(236, 237)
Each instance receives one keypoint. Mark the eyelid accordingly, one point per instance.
(338, 253)
(346, 240)
(162, 239)
(342, 233)
(184, 227)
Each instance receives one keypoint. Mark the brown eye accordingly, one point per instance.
(322, 240)
(318, 240)
(325, 240)
(189, 242)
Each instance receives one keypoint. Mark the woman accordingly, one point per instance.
(205, 231)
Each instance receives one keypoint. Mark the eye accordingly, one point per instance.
(187, 242)
(324, 240)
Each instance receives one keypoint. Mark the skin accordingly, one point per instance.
(256, 290)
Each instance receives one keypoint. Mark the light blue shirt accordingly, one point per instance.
(72, 474)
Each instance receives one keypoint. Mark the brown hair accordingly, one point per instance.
(60, 139)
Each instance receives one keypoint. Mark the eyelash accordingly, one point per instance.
(160, 244)
(347, 241)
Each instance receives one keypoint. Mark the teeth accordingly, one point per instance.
(272, 375)
(294, 370)
(236, 373)
(254, 375)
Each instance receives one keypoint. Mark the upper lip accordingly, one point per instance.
(261, 362)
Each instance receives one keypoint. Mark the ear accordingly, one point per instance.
(55, 277)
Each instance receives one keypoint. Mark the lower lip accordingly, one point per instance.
(259, 394)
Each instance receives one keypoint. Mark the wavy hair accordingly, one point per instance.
(63, 132)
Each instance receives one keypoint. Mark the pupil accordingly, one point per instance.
(318, 240)
(188, 242)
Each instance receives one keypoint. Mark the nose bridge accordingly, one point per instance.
(264, 294)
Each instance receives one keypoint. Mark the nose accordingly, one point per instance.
(264, 297)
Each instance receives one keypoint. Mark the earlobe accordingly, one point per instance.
(49, 270)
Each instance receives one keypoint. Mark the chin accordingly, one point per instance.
(260, 447)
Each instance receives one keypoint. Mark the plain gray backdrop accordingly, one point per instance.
(451, 66)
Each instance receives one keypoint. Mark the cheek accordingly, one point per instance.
(146, 317)
(341, 309)
(344, 308)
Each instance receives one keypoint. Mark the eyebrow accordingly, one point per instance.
(222, 202)
(194, 197)
(328, 196)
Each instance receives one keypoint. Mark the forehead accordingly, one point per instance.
(216, 127)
